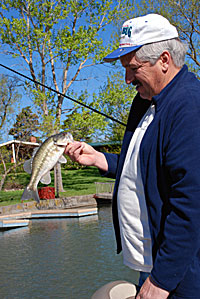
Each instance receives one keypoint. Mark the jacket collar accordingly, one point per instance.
(158, 100)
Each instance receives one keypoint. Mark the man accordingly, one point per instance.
(156, 201)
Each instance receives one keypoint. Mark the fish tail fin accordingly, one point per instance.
(30, 194)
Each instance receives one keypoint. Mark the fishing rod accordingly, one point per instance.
(76, 101)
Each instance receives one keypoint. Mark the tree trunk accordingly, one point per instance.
(58, 180)
(3, 180)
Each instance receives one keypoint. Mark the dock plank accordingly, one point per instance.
(7, 224)
(75, 212)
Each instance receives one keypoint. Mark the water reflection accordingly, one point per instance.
(60, 258)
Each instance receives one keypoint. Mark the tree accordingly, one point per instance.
(115, 99)
(57, 40)
(84, 124)
(9, 97)
(185, 15)
(26, 125)
(7, 169)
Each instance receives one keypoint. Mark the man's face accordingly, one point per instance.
(146, 77)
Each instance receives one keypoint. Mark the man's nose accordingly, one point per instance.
(130, 76)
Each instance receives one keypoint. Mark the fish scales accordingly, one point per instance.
(46, 157)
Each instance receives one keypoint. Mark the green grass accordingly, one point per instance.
(10, 197)
(81, 182)
(75, 182)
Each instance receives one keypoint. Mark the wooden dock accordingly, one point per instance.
(104, 192)
(103, 198)
(22, 219)
(8, 224)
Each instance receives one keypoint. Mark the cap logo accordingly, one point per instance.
(127, 31)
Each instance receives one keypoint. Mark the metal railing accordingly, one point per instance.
(104, 187)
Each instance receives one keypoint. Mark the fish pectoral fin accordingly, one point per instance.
(46, 179)
(28, 163)
(28, 166)
(62, 159)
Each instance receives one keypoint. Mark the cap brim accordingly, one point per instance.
(119, 53)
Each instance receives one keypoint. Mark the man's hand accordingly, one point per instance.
(85, 154)
(150, 291)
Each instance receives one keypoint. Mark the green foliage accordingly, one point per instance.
(84, 124)
(5, 154)
(115, 99)
(9, 98)
(57, 40)
(185, 15)
(111, 148)
(26, 125)
(16, 181)
(18, 169)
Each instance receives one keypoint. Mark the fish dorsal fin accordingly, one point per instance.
(46, 179)
(62, 159)
(28, 166)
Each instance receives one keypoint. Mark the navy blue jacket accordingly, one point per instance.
(170, 166)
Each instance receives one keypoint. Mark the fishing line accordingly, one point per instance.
(76, 101)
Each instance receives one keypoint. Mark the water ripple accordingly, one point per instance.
(60, 258)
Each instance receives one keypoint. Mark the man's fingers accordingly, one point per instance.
(71, 147)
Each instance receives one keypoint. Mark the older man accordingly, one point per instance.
(156, 201)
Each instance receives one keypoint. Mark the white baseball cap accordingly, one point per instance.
(119, 289)
(141, 31)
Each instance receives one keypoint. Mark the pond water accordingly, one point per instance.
(60, 258)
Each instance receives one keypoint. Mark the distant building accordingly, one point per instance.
(107, 146)
(22, 147)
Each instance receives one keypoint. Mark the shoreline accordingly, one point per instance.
(50, 204)
(19, 215)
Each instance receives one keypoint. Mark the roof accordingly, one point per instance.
(95, 144)
(19, 142)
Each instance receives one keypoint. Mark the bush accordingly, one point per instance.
(18, 169)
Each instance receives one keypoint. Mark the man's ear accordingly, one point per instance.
(165, 59)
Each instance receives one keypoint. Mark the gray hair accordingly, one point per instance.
(151, 52)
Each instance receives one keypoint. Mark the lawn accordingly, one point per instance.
(75, 182)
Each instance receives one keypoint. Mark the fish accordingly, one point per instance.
(43, 160)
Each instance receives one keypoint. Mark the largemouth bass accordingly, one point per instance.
(43, 160)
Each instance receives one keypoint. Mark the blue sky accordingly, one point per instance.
(96, 74)
(97, 77)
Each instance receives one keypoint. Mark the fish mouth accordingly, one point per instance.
(62, 139)
(61, 145)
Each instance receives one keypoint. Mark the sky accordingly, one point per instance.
(96, 74)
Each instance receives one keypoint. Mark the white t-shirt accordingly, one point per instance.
(132, 210)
